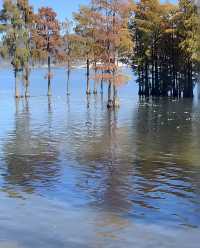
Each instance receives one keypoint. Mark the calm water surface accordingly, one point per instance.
(73, 174)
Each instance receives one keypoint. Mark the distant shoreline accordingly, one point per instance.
(45, 66)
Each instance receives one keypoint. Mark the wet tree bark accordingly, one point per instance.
(115, 97)
(88, 92)
(49, 76)
(110, 102)
(95, 80)
(68, 78)
(26, 79)
(16, 73)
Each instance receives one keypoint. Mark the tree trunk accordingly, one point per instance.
(191, 94)
(49, 76)
(140, 92)
(157, 90)
(68, 79)
(88, 92)
(110, 102)
(115, 97)
(146, 80)
(95, 80)
(16, 84)
(26, 81)
(102, 87)
(49, 105)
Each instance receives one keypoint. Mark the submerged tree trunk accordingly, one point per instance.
(88, 92)
(102, 84)
(16, 72)
(26, 80)
(49, 76)
(110, 102)
(95, 80)
(68, 79)
(146, 80)
(188, 89)
(115, 97)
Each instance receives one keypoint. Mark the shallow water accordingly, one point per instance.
(73, 174)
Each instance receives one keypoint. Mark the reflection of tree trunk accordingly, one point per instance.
(49, 76)
(17, 83)
(88, 77)
(68, 103)
(28, 159)
(26, 81)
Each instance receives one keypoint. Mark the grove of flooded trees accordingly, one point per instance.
(160, 41)
(167, 47)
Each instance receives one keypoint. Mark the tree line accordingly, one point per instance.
(159, 41)
(167, 47)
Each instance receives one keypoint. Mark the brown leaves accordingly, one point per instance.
(46, 31)
(116, 79)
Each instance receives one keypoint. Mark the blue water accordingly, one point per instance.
(74, 174)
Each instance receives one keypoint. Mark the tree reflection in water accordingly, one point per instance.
(30, 156)
(144, 169)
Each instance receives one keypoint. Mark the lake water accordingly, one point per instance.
(73, 174)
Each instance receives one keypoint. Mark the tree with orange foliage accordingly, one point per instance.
(46, 36)
(116, 42)
(87, 22)
(70, 51)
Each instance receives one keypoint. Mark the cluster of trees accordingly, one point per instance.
(161, 41)
(27, 37)
(104, 29)
(167, 47)
(99, 36)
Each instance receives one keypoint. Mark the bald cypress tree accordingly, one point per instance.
(46, 38)
(27, 17)
(167, 47)
(15, 39)
(187, 29)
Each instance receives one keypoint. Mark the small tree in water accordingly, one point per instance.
(71, 49)
(114, 37)
(27, 17)
(14, 39)
(86, 28)
(46, 36)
